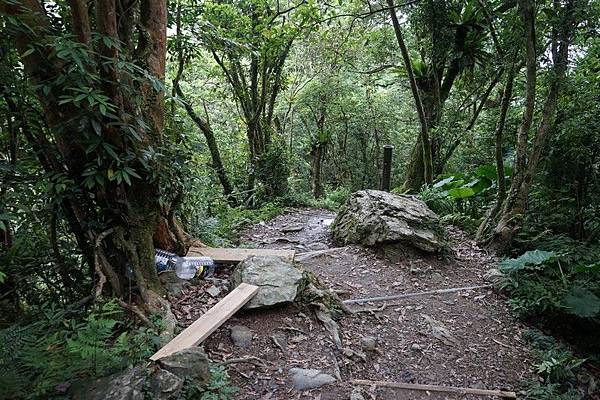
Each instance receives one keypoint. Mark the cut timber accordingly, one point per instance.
(222, 255)
(433, 388)
(209, 321)
(405, 295)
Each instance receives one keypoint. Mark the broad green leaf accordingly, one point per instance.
(534, 257)
(461, 192)
(443, 182)
(582, 302)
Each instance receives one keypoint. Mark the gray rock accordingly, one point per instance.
(172, 283)
(191, 362)
(276, 277)
(356, 395)
(315, 246)
(304, 379)
(165, 384)
(126, 385)
(373, 218)
(213, 291)
(493, 275)
(368, 343)
(241, 336)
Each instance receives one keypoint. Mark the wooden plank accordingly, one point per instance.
(405, 295)
(223, 255)
(209, 321)
(435, 388)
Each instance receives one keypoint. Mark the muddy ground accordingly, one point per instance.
(465, 339)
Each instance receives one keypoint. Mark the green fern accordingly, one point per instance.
(56, 348)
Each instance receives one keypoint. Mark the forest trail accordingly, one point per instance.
(465, 339)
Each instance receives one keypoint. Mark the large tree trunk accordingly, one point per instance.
(513, 207)
(499, 153)
(317, 155)
(427, 161)
(127, 212)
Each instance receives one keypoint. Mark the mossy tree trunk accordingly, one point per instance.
(97, 78)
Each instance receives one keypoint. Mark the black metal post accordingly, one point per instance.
(387, 167)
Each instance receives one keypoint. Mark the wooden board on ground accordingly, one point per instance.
(223, 255)
(209, 321)
(435, 388)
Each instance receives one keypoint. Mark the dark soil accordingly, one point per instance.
(465, 339)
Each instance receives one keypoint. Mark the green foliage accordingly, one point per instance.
(219, 387)
(224, 228)
(333, 199)
(527, 260)
(546, 283)
(582, 302)
(557, 367)
(60, 346)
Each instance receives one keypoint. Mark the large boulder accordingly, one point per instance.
(277, 279)
(373, 218)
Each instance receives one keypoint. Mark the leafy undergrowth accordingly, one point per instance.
(222, 230)
(56, 346)
(561, 376)
(40, 358)
(557, 287)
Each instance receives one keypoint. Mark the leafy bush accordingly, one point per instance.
(557, 367)
(60, 346)
(333, 200)
(564, 281)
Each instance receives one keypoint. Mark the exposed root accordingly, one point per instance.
(313, 293)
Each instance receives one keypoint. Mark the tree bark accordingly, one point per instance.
(132, 210)
(427, 160)
(499, 153)
(316, 186)
(513, 208)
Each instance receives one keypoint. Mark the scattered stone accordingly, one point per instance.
(276, 277)
(437, 277)
(373, 217)
(213, 291)
(316, 246)
(304, 379)
(356, 395)
(241, 336)
(493, 275)
(191, 362)
(292, 228)
(280, 340)
(172, 283)
(368, 343)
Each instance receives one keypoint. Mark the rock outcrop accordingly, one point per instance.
(374, 218)
(138, 383)
(277, 278)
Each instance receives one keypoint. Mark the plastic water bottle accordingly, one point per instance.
(185, 267)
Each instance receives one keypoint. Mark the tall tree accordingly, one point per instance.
(561, 35)
(450, 39)
(96, 69)
(251, 41)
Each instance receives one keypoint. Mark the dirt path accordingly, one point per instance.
(465, 339)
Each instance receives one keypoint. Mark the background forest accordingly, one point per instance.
(127, 125)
